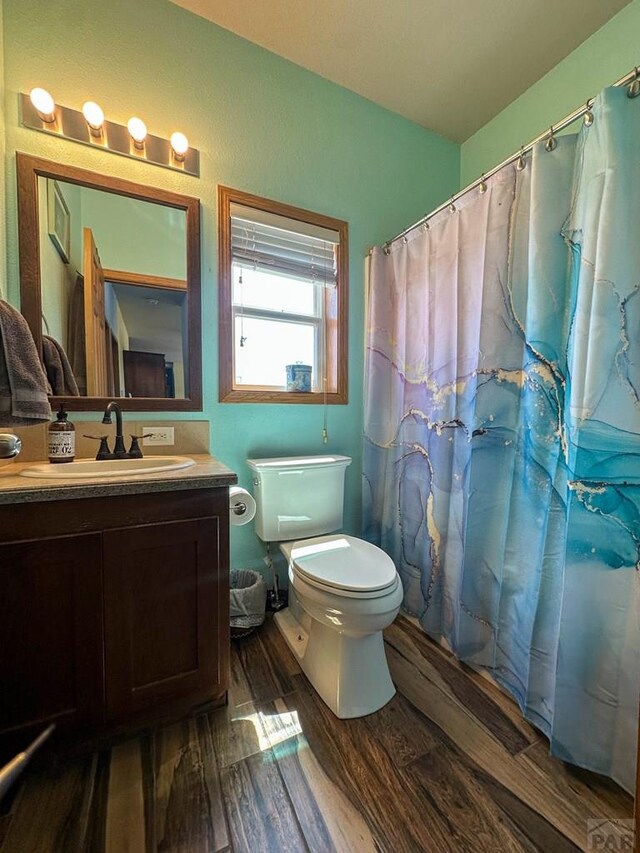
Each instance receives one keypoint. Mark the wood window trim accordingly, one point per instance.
(141, 280)
(336, 307)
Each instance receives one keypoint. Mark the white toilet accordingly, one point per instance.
(343, 591)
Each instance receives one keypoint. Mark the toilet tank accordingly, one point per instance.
(298, 496)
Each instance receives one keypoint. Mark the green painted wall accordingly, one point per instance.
(134, 235)
(262, 124)
(598, 62)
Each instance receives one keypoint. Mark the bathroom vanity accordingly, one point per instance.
(113, 601)
(113, 591)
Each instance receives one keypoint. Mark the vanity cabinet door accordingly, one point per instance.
(51, 633)
(166, 614)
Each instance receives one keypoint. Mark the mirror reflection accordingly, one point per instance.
(114, 293)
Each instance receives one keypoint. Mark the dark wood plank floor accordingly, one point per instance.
(448, 765)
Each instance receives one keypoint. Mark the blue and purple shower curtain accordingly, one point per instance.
(502, 432)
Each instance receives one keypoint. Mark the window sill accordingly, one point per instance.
(264, 395)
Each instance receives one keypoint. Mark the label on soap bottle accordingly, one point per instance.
(62, 445)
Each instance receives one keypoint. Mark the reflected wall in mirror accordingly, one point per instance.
(110, 286)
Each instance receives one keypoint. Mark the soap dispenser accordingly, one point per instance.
(62, 439)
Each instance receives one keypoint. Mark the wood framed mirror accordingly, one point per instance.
(110, 288)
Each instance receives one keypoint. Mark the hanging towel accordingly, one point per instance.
(59, 373)
(23, 384)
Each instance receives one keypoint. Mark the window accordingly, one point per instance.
(283, 302)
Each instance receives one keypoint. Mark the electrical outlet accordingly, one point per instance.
(158, 436)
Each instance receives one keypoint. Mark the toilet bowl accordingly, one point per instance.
(343, 592)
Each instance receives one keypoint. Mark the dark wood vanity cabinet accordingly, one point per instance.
(116, 615)
(51, 632)
(162, 590)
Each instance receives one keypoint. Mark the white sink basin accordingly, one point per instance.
(90, 469)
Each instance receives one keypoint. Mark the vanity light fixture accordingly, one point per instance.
(137, 131)
(89, 126)
(44, 104)
(179, 145)
(94, 117)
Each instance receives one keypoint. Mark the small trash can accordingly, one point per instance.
(247, 601)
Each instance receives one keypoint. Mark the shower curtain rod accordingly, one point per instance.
(633, 77)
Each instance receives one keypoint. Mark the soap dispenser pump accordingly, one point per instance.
(62, 439)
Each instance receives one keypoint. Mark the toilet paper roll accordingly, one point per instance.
(242, 506)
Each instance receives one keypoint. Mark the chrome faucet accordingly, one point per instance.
(118, 449)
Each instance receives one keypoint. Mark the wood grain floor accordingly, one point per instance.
(448, 765)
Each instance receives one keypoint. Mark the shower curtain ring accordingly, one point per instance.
(551, 142)
(452, 207)
(482, 185)
(521, 164)
(386, 249)
(634, 89)
(588, 116)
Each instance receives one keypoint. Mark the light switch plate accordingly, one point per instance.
(159, 435)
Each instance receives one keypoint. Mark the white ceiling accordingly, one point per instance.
(449, 65)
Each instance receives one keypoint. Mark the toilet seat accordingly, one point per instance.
(342, 565)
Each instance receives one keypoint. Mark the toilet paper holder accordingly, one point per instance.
(242, 506)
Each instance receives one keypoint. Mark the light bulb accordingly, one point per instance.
(44, 104)
(180, 145)
(138, 130)
(93, 116)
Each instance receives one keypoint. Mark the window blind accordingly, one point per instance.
(279, 244)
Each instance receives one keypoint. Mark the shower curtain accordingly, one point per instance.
(502, 432)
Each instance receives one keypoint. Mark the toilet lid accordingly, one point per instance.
(343, 562)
